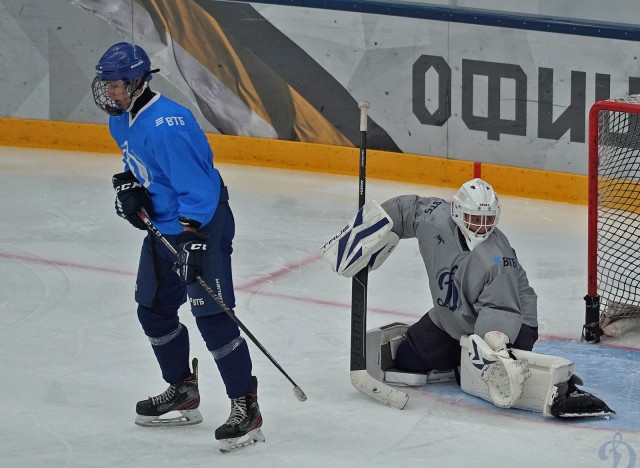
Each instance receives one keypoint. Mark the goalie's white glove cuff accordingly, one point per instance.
(497, 340)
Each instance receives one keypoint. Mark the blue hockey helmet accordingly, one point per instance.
(124, 61)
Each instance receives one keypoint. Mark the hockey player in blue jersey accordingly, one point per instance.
(169, 173)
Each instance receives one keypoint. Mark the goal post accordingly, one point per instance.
(613, 244)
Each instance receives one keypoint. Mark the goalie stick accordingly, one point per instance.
(360, 378)
(297, 391)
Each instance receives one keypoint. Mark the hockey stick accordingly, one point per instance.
(297, 391)
(360, 378)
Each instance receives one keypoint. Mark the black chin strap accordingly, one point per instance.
(136, 103)
(142, 80)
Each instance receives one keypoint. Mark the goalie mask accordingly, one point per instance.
(121, 72)
(475, 209)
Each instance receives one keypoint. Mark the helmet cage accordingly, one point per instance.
(102, 99)
(486, 223)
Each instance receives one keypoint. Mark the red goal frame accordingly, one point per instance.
(591, 329)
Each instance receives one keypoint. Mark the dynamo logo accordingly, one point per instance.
(446, 281)
(622, 454)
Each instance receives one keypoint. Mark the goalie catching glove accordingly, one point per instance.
(365, 242)
(503, 373)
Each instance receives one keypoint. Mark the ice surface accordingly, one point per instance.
(74, 360)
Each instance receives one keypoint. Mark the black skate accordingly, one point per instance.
(572, 402)
(182, 397)
(243, 426)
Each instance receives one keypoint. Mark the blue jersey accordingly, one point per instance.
(168, 152)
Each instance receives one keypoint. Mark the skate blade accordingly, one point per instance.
(594, 414)
(233, 445)
(186, 418)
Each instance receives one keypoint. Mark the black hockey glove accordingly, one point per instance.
(192, 248)
(130, 197)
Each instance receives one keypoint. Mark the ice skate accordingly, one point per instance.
(182, 397)
(243, 426)
(572, 402)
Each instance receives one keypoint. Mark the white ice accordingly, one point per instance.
(75, 362)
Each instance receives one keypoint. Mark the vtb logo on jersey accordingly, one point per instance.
(194, 246)
(447, 283)
(170, 121)
(432, 207)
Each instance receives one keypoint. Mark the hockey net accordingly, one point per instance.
(613, 296)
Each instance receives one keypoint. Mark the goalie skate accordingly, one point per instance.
(162, 410)
(242, 428)
(572, 402)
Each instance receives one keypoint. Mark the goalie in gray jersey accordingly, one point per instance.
(484, 319)
(477, 283)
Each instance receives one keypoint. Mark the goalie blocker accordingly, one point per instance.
(365, 242)
(506, 377)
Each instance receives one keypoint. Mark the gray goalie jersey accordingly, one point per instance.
(474, 291)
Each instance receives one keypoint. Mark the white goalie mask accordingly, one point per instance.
(476, 210)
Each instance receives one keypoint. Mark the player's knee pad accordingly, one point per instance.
(226, 349)
(169, 337)
(220, 333)
(158, 322)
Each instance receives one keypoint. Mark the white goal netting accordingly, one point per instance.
(614, 208)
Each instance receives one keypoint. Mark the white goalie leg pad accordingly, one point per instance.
(538, 389)
(382, 344)
(365, 242)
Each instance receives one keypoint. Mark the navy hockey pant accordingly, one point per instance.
(160, 293)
